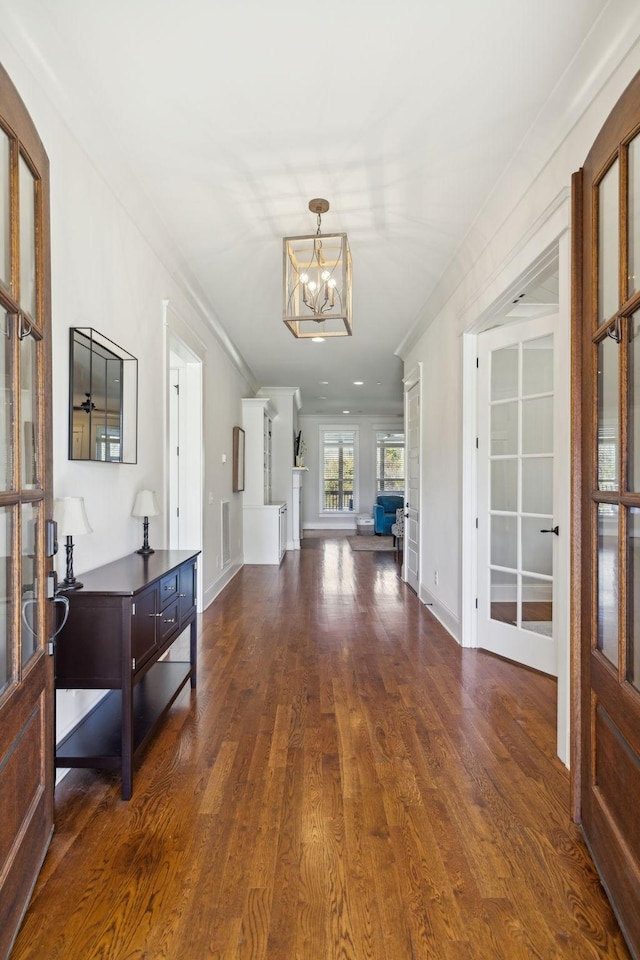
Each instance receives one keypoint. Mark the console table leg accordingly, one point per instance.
(194, 650)
(127, 741)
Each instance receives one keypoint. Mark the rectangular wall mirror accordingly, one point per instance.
(103, 392)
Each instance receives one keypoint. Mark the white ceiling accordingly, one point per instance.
(216, 123)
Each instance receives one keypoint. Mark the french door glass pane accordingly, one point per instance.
(537, 366)
(504, 597)
(537, 605)
(608, 243)
(504, 541)
(633, 282)
(29, 348)
(634, 403)
(29, 580)
(27, 195)
(634, 599)
(608, 581)
(537, 485)
(537, 425)
(504, 485)
(504, 373)
(5, 210)
(6, 630)
(608, 450)
(504, 428)
(537, 548)
(6, 408)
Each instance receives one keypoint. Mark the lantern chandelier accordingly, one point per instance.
(316, 282)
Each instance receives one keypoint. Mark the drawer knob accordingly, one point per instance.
(169, 621)
(155, 614)
(182, 594)
(168, 586)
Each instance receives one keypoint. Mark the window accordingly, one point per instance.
(337, 459)
(389, 462)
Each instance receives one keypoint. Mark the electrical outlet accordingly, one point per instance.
(435, 578)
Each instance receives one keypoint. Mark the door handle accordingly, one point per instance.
(555, 530)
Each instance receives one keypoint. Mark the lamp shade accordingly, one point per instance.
(145, 504)
(71, 517)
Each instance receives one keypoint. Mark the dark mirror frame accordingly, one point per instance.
(103, 399)
(238, 460)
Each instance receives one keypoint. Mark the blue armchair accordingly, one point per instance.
(384, 512)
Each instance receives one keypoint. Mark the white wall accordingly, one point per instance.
(366, 467)
(527, 202)
(105, 275)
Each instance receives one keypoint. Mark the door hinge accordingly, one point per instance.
(477, 443)
(133, 663)
(133, 609)
(50, 648)
(476, 603)
(476, 523)
(477, 363)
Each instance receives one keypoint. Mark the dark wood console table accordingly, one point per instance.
(124, 619)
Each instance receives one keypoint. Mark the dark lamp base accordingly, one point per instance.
(145, 551)
(70, 585)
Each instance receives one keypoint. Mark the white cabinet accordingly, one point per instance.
(264, 532)
(257, 422)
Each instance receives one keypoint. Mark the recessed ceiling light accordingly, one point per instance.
(345, 411)
(358, 383)
(378, 383)
(322, 398)
(323, 383)
(318, 339)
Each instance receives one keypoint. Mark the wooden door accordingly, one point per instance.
(26, 674)
(607, 487)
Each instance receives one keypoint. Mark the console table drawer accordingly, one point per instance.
(167, 623)
(168, 589)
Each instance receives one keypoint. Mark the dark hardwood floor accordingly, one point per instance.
(345, 782)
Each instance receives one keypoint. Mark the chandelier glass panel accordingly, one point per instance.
(317, 282)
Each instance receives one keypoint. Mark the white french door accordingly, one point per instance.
(411, 568)
(518, 523)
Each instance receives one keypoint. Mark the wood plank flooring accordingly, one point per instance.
(345, 782)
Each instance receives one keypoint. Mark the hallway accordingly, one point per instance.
(345, 782)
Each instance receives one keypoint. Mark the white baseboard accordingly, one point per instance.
(449, 620)
(226, 576)
(337, 524)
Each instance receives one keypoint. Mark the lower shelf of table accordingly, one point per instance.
(97, 740)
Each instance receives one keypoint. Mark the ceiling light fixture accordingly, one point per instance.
(316, 281)
(318, 339)
(358, 383)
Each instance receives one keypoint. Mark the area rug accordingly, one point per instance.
(371, 543)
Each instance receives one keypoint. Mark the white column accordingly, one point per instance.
(296, 505)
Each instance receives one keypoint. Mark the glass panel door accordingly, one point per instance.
(521, 485)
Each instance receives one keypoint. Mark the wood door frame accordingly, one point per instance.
(34, 682)
(602, 694)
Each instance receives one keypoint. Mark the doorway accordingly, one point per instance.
(537, 291)
(411, 559)
(185, 445)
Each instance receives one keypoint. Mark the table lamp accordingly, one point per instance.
(71, 517)
(145, 506)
